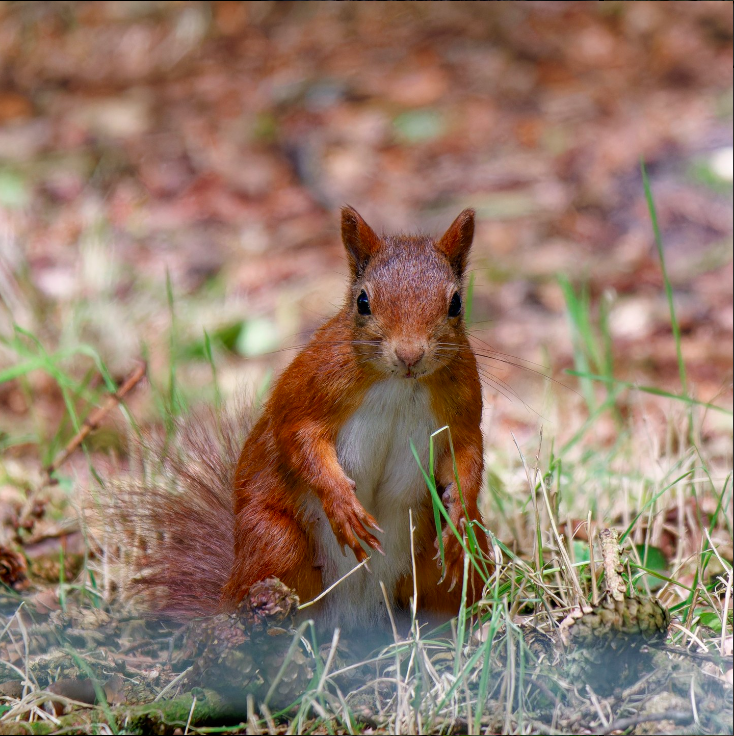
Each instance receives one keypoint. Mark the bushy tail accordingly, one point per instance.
(171, 518)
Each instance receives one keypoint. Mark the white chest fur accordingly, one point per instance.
(374, 450)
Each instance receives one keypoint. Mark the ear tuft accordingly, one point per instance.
(456, 241)
(359, 239)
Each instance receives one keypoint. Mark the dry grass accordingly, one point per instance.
(656, 468)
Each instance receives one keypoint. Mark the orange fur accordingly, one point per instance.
(291, 453)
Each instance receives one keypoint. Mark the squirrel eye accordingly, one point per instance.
(363, 303)
(455, 305)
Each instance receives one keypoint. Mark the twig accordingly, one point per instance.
(597, 705)
(252, 722)
(329, 660)
(395, 635)
(592, 563)
(545, 690)
(265, 712)
(622, 724)
(173, 683)
(612, 566)
(276, 681)
(191, 713)
(333, 585)
(94, 420)
(721, 659)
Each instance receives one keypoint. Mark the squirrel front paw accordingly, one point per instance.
(349, 522)
(453, 551)
(453, 555)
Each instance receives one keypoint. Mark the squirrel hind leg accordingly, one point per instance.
(436, 603)
(285, 552)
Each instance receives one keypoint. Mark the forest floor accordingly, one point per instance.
(170, 179)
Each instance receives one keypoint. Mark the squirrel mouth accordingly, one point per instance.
(412, 373)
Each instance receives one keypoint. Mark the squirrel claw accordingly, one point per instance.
(373, 542)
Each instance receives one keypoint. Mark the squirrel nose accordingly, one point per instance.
(409, 355)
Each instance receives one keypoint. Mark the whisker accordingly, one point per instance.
(530, 370)
(485, 372)
(492, 350)
(494, 381)
(489, 380)
(505, 360)
(506, 355)
(498, 384)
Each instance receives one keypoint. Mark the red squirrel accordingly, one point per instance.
(326, 476)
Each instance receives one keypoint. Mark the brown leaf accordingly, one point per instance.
(45, 601)
(11, 689)
(114, 690)
(74, 689)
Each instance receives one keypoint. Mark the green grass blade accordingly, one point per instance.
(98, 689)
(469, 303)
(440, 510)
(581, 337)
(666, 280)
(650, 390)
(210, 359)
(631, 526)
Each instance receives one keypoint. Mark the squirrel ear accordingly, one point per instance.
(456, 241)
(359, 239)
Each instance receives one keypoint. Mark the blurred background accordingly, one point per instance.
(209, 146)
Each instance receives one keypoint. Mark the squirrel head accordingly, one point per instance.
(406, 295)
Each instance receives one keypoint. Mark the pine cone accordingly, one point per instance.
(269, 603)
(605, 644)
(243, 652)
(617, 623)
(13, 569)
(539, 643)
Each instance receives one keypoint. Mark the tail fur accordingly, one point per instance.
(171, 514)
